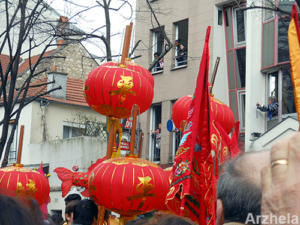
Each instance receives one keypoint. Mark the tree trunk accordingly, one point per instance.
(107, 21)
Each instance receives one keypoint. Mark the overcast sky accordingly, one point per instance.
(94, 18)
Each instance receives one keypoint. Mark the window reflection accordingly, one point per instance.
(288, 105)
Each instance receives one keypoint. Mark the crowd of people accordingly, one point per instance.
(260, 187)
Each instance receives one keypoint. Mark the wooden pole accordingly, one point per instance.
(126, 43)
(140, 144)
(133, 129)
(213, 77)
(111, 138)
(20, 145)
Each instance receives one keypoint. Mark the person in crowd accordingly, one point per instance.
(181, 57)
(159, 65)
(157, 135)
(57, 219)
(271, 108)
(13, 212)
(85, 212)
(281, 183)
(69, 212)
(72, 197)
(239, 190)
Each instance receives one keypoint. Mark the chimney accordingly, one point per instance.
(63, 28)
(60, 80)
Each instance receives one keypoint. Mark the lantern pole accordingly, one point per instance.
(113, 128)
(133, 129)
(140, 144)
(20, 145)
(214, 74)
(126, 43)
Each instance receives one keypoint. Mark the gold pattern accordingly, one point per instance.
(181, 151)
(18, 169)
(30, 187)
(143, 190)
(214, 140)
(20, 188)
(133, 161)
(125, 85)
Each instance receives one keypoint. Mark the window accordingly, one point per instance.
(240, 25)
(12, 156)
(268, 14)
(235, 26)
(181, 43)
(157, 47)
(155, 134)
(281, 89)
(275, 48)
(69, 132)
(242, 103)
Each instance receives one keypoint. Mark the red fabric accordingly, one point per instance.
(17, 181)
(129, 186)
(193, 188)
(111, 90)
(234, 148)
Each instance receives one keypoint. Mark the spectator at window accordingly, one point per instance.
(159, 65)
(271, 108)
(181, 58)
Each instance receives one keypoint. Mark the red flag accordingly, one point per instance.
(193, 188)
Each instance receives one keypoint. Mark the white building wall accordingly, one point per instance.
(80, 151)
(220, 89)
(255, 80)
(25, 119)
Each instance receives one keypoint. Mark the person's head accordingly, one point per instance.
(57, 219)
(272, 100)
(239, 191)
(72, 197)
(156, 55)
(69, 211)
(170, 220)
(85, 212)
(13, 212)
(177, 42)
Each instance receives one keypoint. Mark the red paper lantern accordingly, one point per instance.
(18, 181)
(180, 110)
(112, 89)
(129, 186)
(222, 113)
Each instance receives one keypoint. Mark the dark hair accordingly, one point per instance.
(70, 206)
(173, 220)
(240, 196)
(13, 212)
(72, 197)
(156, 53)
(85, 212)
(57, 219)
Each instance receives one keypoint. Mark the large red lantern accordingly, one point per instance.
(18, 181)
(112, 89)
(129, 186)
(180, 110)
(221, 112)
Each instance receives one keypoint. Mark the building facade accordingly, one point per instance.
(187, 23)
(254, 45)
